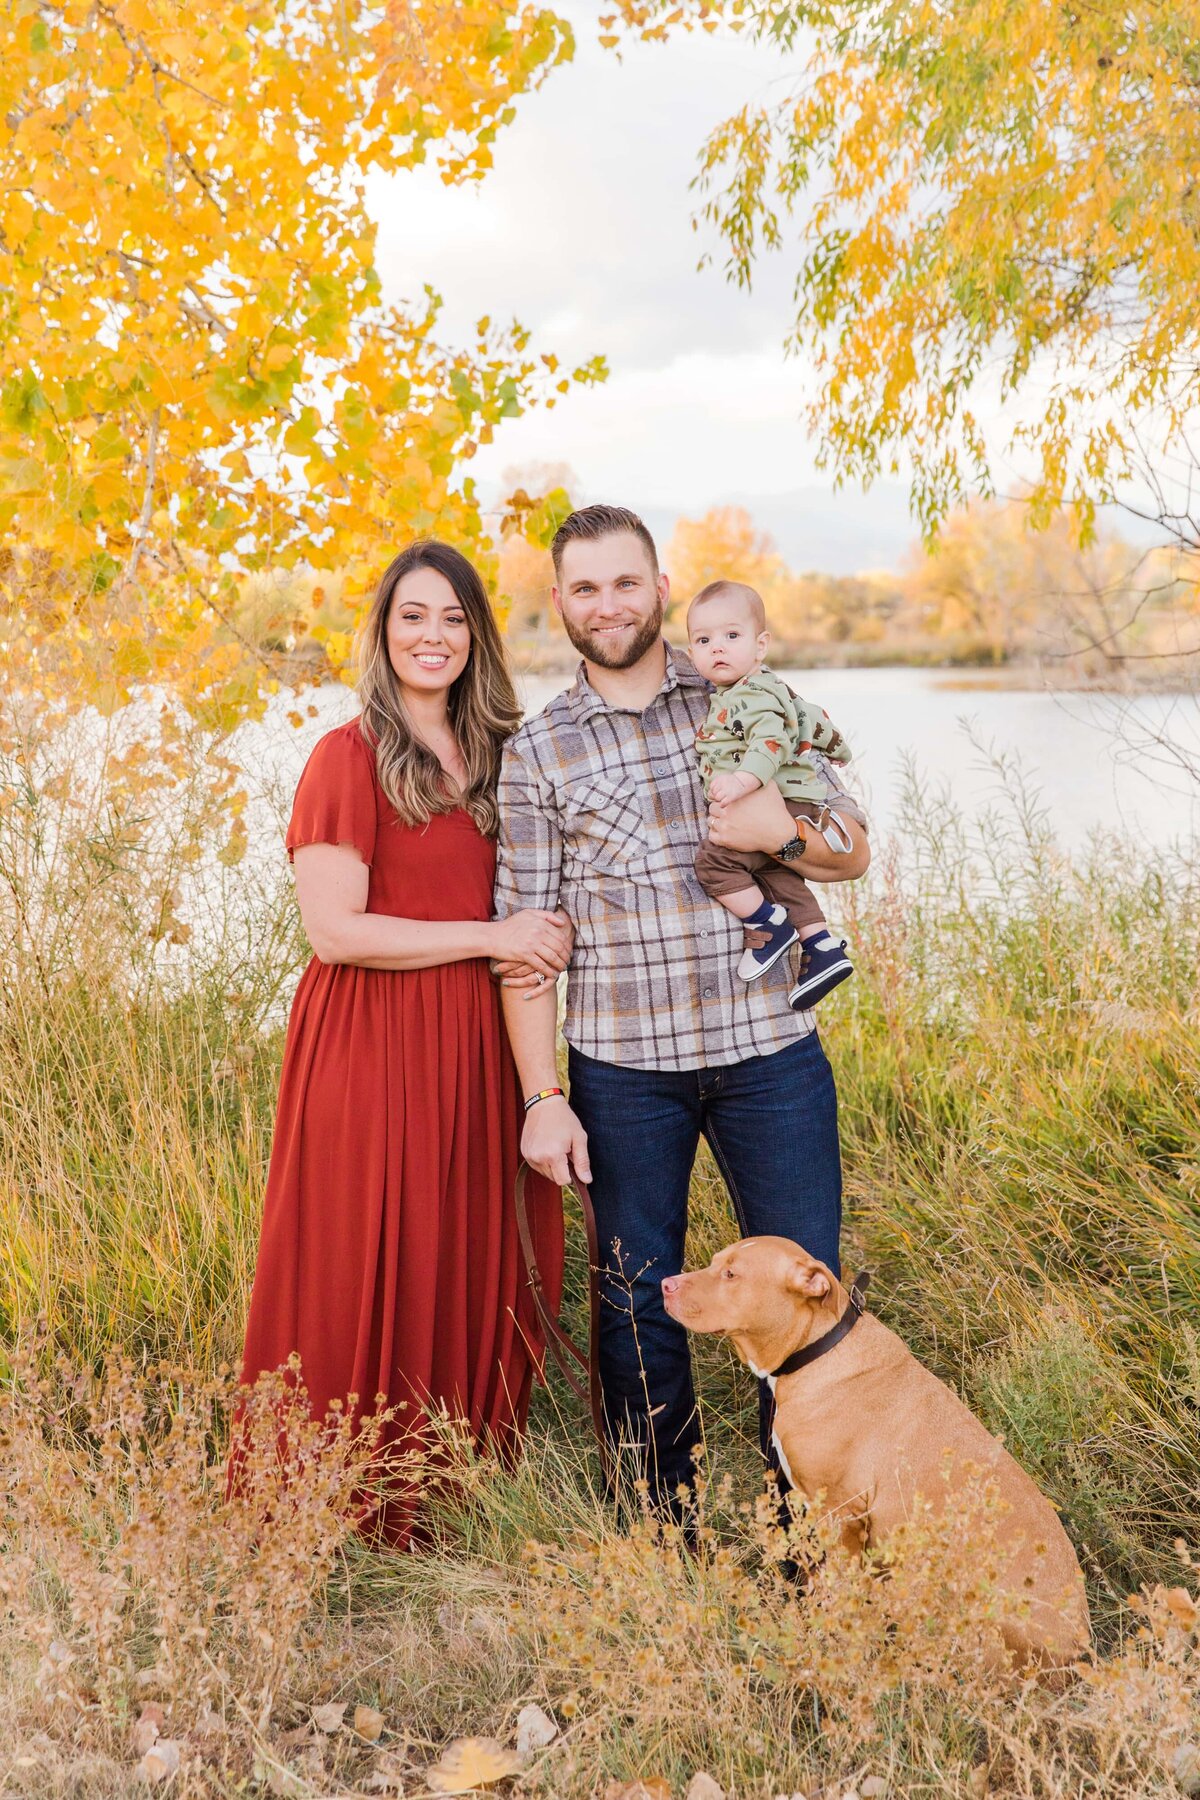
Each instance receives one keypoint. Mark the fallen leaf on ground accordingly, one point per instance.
(872, 1786)
(148, 1729)
(368, 1723)
(159, 1762)
(385, 1781)
(329, 1718)
(468, 1763)
(703, 1787)
(648, 1787)
(298, 1735)
(536, 1729)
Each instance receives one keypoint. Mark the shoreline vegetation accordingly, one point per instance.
(1018, 1061)
(1170, 674)
(990, 599)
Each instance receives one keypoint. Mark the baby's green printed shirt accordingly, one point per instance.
(759, 727)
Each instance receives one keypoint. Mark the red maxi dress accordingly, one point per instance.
(389, 1257)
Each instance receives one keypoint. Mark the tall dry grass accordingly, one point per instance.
(1017, 1060)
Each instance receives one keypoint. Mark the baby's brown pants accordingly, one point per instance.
(721, 872)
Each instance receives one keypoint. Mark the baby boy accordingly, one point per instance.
(757, 731)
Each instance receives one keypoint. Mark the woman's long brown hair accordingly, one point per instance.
(482, 703)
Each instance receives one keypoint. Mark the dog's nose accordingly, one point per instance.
(670, 1284)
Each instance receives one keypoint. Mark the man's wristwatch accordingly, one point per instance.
(792, 850)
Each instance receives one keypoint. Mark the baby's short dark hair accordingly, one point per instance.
(734, 590)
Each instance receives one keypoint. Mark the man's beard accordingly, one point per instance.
(601, 651)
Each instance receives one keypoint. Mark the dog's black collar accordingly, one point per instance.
(799, 1359)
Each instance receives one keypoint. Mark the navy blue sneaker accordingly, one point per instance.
(823, 965)
(767, 940)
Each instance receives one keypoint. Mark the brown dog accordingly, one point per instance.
(867, 1426)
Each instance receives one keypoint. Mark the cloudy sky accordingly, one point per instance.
(583, 232)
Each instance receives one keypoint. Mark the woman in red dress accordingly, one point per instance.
(389, 1258)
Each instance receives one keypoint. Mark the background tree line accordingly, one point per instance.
(987, 590)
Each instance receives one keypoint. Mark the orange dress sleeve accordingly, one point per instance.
(335, 798)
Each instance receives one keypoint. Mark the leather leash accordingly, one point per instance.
(563, 1348)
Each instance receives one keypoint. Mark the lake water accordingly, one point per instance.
(1129, 764)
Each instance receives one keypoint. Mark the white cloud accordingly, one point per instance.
(583, 230)
(702, 424)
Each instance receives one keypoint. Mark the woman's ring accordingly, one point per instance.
(541, 978)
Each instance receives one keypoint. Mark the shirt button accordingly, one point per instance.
(708, 993)
(704, 934)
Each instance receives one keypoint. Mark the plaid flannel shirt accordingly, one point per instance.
(601, 813)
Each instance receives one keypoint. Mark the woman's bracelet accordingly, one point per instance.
(544, 1094)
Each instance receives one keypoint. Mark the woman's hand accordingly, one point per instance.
(540, 941)
(521, 975)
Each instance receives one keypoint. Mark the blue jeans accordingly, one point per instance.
(771, 1123)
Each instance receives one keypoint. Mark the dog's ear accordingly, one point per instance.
(805, 1278)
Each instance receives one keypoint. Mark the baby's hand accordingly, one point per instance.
(727, 787)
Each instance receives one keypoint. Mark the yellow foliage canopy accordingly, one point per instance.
(1002, 192)
(198, 373)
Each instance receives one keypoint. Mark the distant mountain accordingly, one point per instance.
(848, 533)
(840, 534)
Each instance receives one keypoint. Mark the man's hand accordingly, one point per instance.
(555, 1143)
(732, 784)
(761, 821)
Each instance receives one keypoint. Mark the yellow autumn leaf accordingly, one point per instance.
(329, 1718)
(368, 1723)
(469, 1763)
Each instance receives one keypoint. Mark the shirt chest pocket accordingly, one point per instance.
(604, 825)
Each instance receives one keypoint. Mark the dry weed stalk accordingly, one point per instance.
(758, 1653)
(721, 1658)
(125, 1566)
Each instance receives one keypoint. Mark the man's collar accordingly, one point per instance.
(585, 702)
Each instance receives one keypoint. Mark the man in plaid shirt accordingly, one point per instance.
(601, 810)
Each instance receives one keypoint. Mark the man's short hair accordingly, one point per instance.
(724, 589)
(588, 523)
